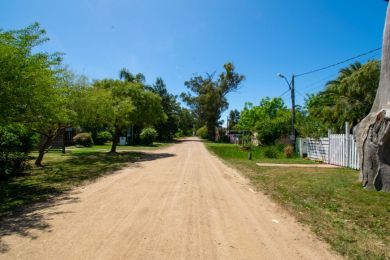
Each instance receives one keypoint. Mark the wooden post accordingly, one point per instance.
(329, 149)
(63, 141)
(347, 144)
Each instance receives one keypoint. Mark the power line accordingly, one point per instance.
(315, 83)
(338, 63)
(281, 95)
(299, 93)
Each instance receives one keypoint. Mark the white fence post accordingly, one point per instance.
(347, 145)
(337, 149)
(329, 146)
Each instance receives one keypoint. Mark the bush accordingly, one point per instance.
(179, 134)
(148, 135)
(246, 142)
(103, 137)
(15, 143)
(84, 139)
(202, 132)
(288, 151)
(225, 139)
(12, 164)
(271, 152)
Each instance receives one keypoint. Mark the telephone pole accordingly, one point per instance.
(291, 86)
(293, 110)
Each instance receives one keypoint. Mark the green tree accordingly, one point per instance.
(171, 107)
(118, 105)
(234, 117)
(210, 96)
(308, 125)
(347, 98)
(186, 122)
(57, 114)
(34, 87)
(271, 119)
(26, 78)
(127, 76)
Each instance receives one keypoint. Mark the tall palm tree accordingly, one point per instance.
(130, 77)
(350, 96)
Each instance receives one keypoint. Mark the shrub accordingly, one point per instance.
(103, 137)
(12, 164)
(15, 143)
(288, 151)
(202, 132)
(246, 142)
(271, 152)
(148, 135)
(225, 139)
(179, 134)
(84, 139)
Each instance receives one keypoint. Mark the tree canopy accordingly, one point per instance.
(348, 98)
(209, 99)
(166, 130)
(270, 120)
(120, 104)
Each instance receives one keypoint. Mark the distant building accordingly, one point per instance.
(66, 136)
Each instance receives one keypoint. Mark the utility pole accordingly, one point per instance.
(227, 125)
(293, 110)
(291, 86)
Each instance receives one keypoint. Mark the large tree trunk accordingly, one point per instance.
(211, 131)
(115, 139)
(46, 141)
(373, 132)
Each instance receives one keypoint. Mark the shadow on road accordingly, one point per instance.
(190, 139)
(23, 199)
(24, 220)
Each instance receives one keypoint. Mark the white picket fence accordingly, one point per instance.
(317, 149)
(336, 149)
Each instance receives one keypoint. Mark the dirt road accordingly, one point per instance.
(185, 204)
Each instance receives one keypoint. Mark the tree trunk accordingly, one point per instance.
(44, 144)
(211, 132)
(63, 141)
(373, 132)
(115, 139)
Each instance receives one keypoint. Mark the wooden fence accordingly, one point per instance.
(343, 151)
(336, 149)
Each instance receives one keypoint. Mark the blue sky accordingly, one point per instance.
(174, 39)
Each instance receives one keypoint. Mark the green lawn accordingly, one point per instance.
(61, 172)
(354, 221)
(107, 147)
(230, 151)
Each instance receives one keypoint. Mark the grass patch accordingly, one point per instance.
(107, 148)
(354, 221)
(230, 151)
(61, 172)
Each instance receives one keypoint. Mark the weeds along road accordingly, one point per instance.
(185, 204)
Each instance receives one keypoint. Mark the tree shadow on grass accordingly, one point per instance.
(23, 198)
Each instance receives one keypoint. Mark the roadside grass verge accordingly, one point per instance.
(230, 151)
(61, 172)
(354, 221)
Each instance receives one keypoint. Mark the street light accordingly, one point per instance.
(280, 75)
(291, 87)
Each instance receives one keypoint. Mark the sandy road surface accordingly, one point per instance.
(184, 205)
